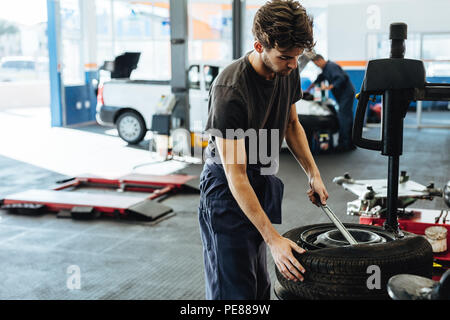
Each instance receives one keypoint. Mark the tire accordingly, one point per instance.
(131, 127)
(342, 273)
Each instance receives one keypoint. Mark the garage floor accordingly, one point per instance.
(136, 260)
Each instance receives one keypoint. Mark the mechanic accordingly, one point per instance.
(238, 201)
(344, 92)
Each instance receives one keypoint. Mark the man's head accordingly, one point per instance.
(282, 30)
(319, 61)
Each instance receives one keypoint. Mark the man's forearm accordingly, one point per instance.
(298, 144)
(248, 201)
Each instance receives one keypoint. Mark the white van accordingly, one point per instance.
(131, 104)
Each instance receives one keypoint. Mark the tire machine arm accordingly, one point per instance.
(400, 81)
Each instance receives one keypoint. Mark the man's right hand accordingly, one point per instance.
(281, 249)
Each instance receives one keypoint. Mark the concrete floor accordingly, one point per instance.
(137, 260)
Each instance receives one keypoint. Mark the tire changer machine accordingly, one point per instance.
(399, 81)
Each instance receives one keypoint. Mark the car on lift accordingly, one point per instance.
(317, 112)
(130, 105)
(318, 117)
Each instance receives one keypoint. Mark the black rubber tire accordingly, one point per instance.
(341, 273)
(139, 119)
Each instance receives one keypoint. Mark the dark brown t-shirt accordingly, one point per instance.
(240, 98)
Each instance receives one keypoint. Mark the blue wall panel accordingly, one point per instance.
(76, 110)
(357, 78)
(91, 91)
(84, 94)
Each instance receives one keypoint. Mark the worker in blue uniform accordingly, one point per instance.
(240, 197)
(342, 88)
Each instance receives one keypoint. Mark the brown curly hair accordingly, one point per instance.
(283, 24)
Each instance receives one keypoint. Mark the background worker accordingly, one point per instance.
(344, 92)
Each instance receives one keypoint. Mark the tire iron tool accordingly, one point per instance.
(336, 221)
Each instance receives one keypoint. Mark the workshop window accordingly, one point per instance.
(138, 26)
(72, 67)
(105, 36)
(436, 54)
(210, 31)
(379, 46)
(433, 49)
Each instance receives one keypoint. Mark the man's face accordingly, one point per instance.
(280, 61)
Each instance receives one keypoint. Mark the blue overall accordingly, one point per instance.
(344, 92)
(233, 249)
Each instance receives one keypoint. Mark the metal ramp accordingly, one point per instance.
(87, 196)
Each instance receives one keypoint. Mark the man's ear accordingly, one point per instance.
(258, 46)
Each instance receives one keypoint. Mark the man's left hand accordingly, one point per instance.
(329, 87)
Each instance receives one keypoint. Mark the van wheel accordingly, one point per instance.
(345, 272)
(131, 127)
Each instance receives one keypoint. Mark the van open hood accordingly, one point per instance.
(123, 65)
